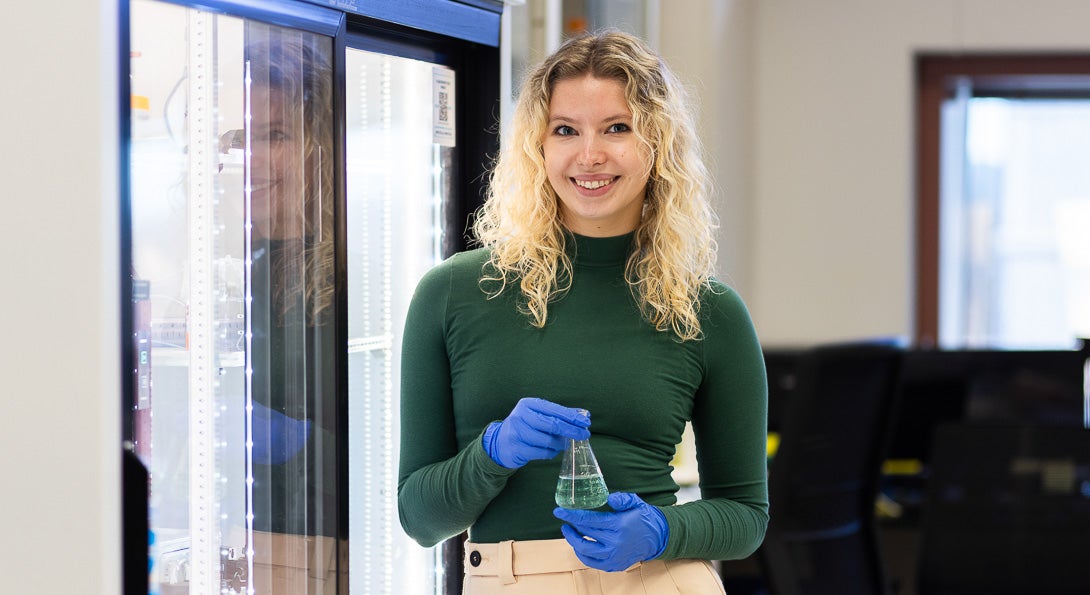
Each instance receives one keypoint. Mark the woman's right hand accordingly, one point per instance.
(535, 429)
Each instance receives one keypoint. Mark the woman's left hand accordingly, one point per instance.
(613, 541)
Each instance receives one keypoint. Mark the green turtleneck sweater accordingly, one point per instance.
(467, 359)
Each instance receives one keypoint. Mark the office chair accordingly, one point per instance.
(1007, 510)
(822, 537)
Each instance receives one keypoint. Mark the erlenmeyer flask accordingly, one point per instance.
(581, 484)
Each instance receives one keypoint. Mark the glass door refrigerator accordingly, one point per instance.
(293, 169)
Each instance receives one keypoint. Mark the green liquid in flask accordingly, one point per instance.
(583, 492)
(581, 484)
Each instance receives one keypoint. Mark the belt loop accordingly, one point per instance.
(506, 570)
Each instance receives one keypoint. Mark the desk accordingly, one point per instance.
(936, 386)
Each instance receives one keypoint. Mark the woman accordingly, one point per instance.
(294, 490)
(593, 291)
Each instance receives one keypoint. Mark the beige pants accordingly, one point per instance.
(550, 567)
(294, 564)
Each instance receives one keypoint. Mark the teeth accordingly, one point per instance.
(593, 184)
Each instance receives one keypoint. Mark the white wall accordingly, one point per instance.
(59, 427)
(832, 187)
(709, 44)
(807, 113)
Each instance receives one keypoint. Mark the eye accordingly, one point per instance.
(564, 130)
(272, 135)
(618, 128)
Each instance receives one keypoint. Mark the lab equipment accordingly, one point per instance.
(581, 485)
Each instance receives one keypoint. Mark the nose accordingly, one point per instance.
(591, 153)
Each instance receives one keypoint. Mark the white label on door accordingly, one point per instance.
(443, 106)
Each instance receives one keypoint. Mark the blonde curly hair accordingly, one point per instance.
(298, 65)
(675, 249)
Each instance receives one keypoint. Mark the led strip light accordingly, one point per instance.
(203, 507)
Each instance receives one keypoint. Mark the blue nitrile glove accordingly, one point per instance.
(636, 532)
(277, 437)
(535, 429)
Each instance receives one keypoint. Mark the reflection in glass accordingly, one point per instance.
(232, 202)
(289, 186)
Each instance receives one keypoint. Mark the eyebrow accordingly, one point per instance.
(613, 118)
(272, 123)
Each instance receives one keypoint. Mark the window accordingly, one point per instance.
(1004, 192)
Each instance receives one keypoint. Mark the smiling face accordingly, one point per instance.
(595, 162)
(276, 166)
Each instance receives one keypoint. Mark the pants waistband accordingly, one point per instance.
(508, 559)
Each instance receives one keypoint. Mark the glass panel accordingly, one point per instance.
(232, 251)
(1016, 258)
(398, 180)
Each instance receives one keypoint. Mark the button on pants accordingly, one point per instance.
(550, 567)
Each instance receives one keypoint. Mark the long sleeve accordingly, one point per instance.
(443, 499)
(730, 424)
(441, 489)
